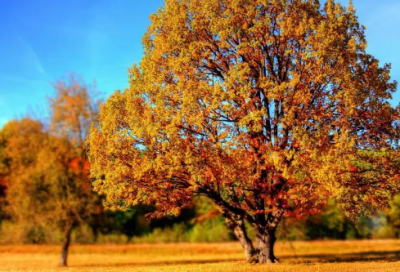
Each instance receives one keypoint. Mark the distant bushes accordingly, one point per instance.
(202, 223)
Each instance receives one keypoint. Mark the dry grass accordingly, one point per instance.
(382, 255)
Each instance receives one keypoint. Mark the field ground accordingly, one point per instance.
(343, 256)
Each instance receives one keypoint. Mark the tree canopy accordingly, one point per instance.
(267, 107)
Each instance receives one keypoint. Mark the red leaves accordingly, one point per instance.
(78, 165)
(352, 168)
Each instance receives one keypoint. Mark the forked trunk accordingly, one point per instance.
(265, 238)
(265, 246)
(238, 227)
(65, 245)
(241, 235)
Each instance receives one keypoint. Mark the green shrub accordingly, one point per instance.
(210, 231)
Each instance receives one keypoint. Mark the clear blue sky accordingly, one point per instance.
(43, 40)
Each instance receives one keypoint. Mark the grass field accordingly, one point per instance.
(343, 256)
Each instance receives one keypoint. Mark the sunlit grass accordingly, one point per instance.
(374, 255)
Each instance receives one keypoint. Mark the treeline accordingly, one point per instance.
(199, 223)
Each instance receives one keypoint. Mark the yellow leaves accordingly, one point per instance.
(233, 97)
(278, 160)
(252, 121)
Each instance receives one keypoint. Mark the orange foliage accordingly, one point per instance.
(78, 164)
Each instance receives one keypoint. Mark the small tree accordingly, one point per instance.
(47, 168)
(266, 107)
(73, 110)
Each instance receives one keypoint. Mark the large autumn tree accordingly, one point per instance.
(46, 166)
(267, 107)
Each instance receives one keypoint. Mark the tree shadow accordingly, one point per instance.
(166, 263)
(366, 256)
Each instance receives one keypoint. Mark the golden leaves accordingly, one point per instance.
(245, 101)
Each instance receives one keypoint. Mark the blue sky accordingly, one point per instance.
(43, 40)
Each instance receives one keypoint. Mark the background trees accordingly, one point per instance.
(268, 108)
(26, 191)
(46, 168)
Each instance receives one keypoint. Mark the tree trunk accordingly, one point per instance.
(237, 225)
(241, 235)
(265, 246)
(65, 245)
